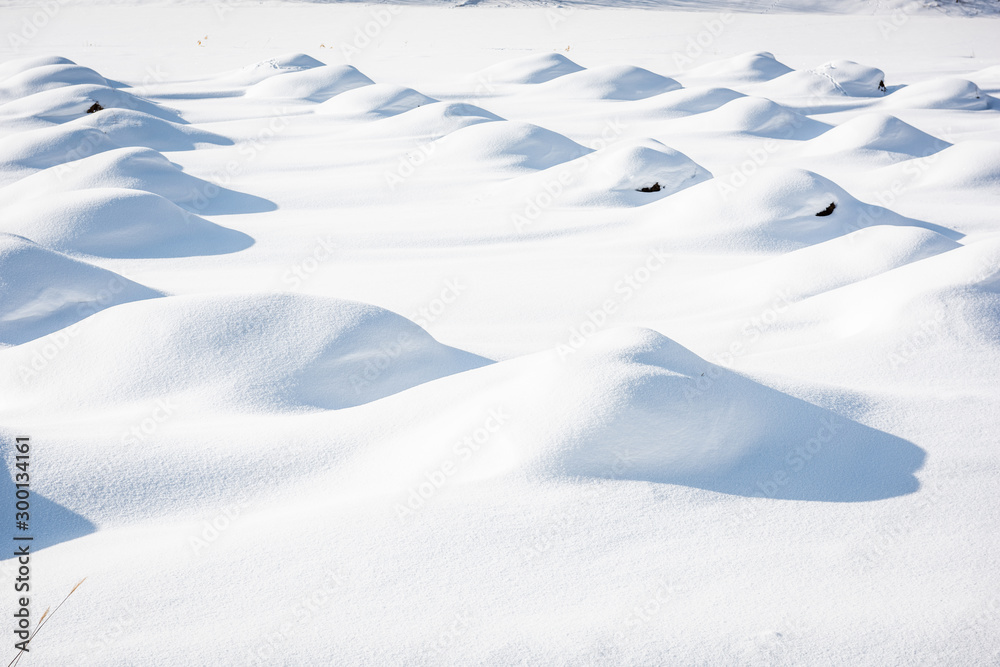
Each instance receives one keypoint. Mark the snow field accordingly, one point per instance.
(447, 355)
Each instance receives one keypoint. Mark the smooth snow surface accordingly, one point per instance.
(44, 290)
(579, 333)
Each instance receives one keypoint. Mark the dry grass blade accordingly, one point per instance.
(17, 657)
(42, 621)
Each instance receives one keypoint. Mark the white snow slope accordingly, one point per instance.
(356, 334)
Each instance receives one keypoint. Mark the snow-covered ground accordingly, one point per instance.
(355, 334)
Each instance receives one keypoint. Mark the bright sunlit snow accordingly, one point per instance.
(502, 333)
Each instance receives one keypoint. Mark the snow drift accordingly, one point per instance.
(251, 353)
(42, 291)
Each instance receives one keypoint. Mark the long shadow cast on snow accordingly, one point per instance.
(207, 198)
(821, 456)
(742, 438)
(49, 522)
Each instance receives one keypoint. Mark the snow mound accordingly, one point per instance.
(945, 93)
(113, 222)
(776, 208)
(614, 175)
(316, 84)
(838, 78)
(136, 169)
(633, 164)
(608, 82)
(430, 121)
(753, 67)
(866, 331)
(875, 132)
(534, 68)
(244, 353)
(265, 69)
(969, 165)
(48, 147)
(90, 134)
(783, 203)
(852, 79)
(987, 79)
(632, 404)
(128, 127)
(380, 100)
(46, 77)
(10, 68)
(646, 408)
(832, 264)
(58, 105)
(687, 101)
(506, 145)
(42, 291)
(756, 116)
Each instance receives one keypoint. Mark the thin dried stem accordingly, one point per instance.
(41, 622)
